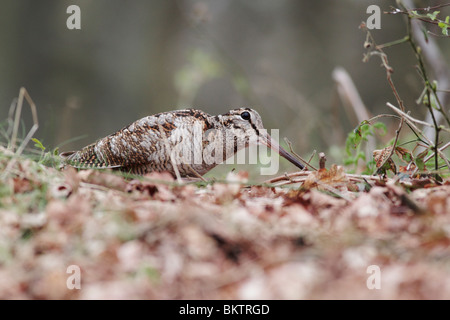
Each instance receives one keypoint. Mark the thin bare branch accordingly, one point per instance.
(411, 123)
(295, 154)
(433, 154)
(423, 123)
(288, 177)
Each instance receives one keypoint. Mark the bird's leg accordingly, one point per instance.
(195, 172)
(172, 158)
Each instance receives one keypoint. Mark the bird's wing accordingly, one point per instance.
(142, 143)
(137, 144)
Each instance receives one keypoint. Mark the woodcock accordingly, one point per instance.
(192, 140)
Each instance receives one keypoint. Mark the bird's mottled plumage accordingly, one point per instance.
(156, 142)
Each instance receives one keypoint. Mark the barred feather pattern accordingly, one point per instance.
(146, 145)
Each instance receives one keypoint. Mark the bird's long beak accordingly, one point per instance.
(271, 143)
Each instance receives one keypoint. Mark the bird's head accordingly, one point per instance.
(244, 126)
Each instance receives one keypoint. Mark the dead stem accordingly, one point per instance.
(295, 154)
(411, 123)
(379, 51)
(23, 93)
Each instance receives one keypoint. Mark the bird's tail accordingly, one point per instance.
(86, 158)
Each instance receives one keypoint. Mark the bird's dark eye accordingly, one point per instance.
(245, 115)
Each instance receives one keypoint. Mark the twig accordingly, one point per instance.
(431, 8)
(392, 43)
(302, 176)
(411, 123)
(430, 143)
(421, 18)
(438, 36)
(433, 154)
(288, 182)
(427, 84)
(384, 115)
(371, 120)
(389, 71)
(334, 190)
(287, 177)
(437, 63)
(322, 160)
(290, 175)
(403, 114)
(312, 156)
(295, 154)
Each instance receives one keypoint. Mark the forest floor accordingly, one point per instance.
(151, 238)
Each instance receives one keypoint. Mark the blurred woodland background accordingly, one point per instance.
(136, 58)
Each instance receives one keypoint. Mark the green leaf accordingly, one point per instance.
(38, 144)
(361, 155)
(433, 15)
(434, 102)
(380, 126)
(349, 161)
(420, 164)
(444, 26)
(403, 154)
(364, 122)
(370, 167)
(357, 137)
(353, 143)
(434, 85)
